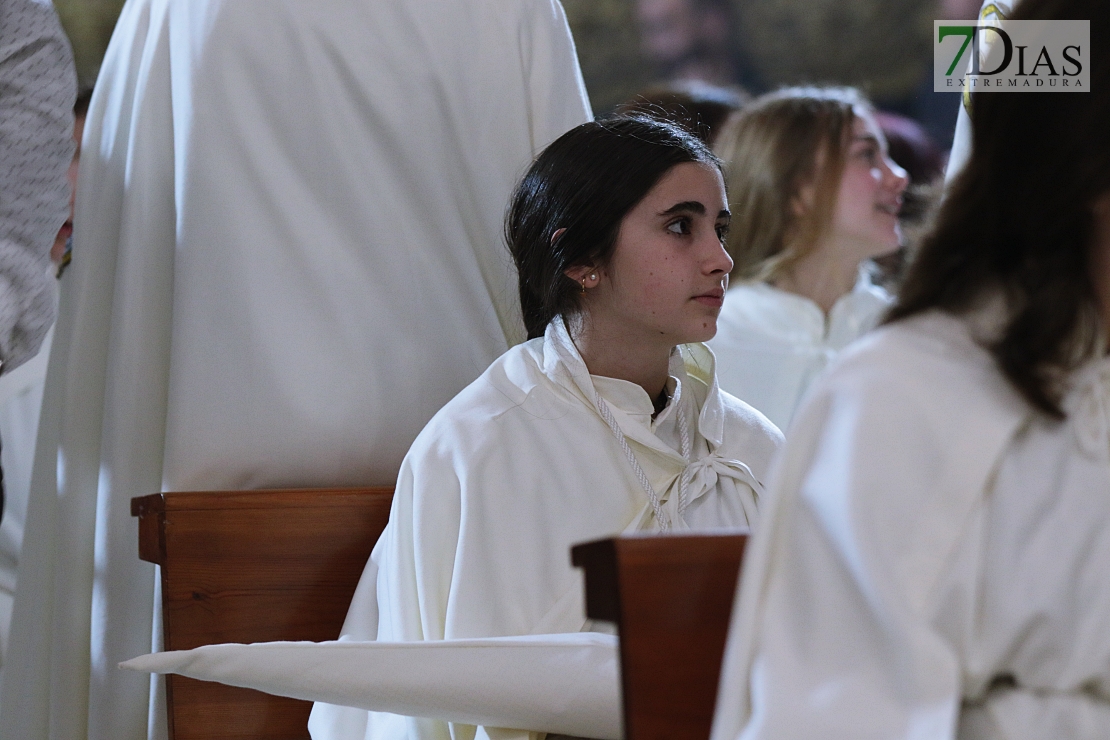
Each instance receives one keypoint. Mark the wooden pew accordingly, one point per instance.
(670, 597)
(253, 566)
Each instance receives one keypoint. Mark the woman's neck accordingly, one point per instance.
(820, 277)
(611, 354)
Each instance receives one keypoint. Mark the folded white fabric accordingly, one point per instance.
(565, 683)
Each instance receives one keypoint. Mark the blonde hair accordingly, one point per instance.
(778, 144)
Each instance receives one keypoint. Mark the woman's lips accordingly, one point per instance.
(713, 299)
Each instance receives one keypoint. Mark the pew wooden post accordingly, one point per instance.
(671, 598)
(253, 566)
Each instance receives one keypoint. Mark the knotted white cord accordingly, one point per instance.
(684, 436)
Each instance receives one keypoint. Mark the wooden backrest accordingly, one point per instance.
(253, 566)
(671, 598)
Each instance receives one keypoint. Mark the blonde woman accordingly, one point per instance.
(814, 196)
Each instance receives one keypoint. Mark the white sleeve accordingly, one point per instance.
(841, 645)
(37, 89)
(556, 92)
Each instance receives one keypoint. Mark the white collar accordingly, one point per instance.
(563, 364)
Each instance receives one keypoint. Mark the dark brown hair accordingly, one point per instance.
(699, 107)
(1018, 220)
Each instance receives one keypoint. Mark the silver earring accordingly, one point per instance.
(593, 276)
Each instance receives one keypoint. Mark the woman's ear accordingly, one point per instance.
(585, 275)
(803, 199)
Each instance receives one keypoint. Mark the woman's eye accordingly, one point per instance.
(722, 232)
(681, 226)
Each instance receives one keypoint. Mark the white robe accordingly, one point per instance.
(772, 344)
(288, 256)
(20, 403)
(515, 470)
(933, 559)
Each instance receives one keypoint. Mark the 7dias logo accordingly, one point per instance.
(1011, 56)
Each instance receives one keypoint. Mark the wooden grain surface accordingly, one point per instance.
(673, 600)
(254, 566)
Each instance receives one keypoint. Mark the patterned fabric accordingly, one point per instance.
(37, 88)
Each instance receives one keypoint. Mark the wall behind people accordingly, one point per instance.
(290, 260)
(88, 24)
(882, 47)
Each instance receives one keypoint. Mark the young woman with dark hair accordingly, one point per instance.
(934, 560)
(608, 420)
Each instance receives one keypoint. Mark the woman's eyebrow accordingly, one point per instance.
(686, 206)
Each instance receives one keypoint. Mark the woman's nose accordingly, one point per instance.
(897, 177)
(719, 259)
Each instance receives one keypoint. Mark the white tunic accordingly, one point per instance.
(933, 560)
(515, 470)
(288, 255)
(771, 344)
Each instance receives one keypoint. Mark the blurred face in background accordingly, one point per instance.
(667, 29)
(865, 220)
(686, 39)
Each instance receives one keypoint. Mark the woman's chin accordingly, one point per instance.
(703, 334)
(888, 244)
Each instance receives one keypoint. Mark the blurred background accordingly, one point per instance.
(627, 46)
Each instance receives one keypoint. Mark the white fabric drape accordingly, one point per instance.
(772, 344)
(565, 683)
(519, 467)
(932, 563)
(288, 256)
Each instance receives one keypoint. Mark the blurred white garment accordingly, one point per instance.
(772, 344)
(933, 559)
(515, 470)
(288, 255)
(20, 402)
(562, 683)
